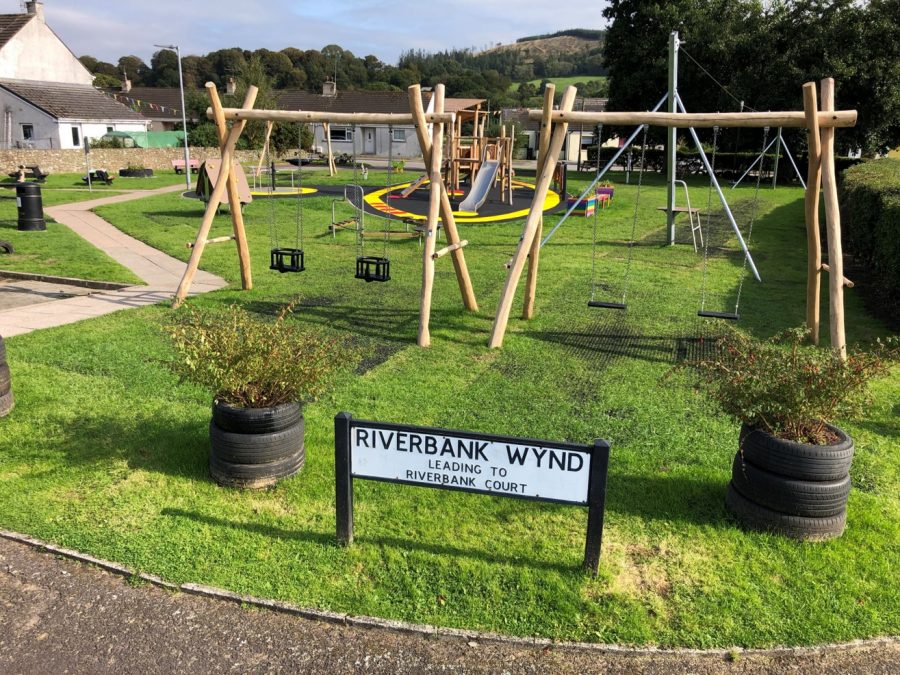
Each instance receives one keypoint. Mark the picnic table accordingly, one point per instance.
(178, 165)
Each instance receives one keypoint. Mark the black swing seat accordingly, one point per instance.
(606, 305)
(287, 260)
(373, 268)
(729, 316)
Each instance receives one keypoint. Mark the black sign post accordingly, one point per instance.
(506, 466)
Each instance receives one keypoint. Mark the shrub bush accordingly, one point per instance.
(247, 360)
(870, 219)
(787, 389)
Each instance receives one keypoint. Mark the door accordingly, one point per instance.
(368, 141)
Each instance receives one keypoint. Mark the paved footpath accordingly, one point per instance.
(62, 616)
(159, 271)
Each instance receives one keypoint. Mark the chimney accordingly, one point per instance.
(230, 86)
(35, 8)
(126, 83)
(329, 87)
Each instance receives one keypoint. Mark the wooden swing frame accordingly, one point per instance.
(439, 208)
(820, 123)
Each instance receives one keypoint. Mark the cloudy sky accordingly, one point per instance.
(108, 29)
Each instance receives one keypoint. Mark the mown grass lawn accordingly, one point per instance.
(57, 251)
(106, 451)
(560, 82)
(73, 181)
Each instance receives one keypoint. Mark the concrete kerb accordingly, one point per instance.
(425, 630)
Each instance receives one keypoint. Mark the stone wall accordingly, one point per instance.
(112, 159)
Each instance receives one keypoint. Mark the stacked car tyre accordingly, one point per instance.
(255, 447)
(6, 395)
(795, 489)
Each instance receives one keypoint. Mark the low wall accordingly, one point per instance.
(111, 159)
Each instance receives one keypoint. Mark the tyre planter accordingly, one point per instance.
(6, 396)
(794, 489)
(797, 460)
(135, 173)
(804, 528)
(789, 495)
(256, 420)
(254, 448)
(5, 378)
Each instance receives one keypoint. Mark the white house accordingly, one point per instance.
(46, 96)
(370, 140)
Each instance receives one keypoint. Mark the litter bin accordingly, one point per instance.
(31, 207)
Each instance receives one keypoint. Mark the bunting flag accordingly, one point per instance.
(136, 104)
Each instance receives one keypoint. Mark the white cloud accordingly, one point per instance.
(108, 30)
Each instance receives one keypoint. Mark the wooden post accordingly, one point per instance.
(531, 225)
(234, 201)
(813, 182)
(833, 228)
(326, 128)
(431, 227)
(221, 184)
(447, 218)
(535, 252)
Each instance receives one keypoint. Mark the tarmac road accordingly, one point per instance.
(62, 616)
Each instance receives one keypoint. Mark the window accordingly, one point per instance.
(76, 137)
(28, 132)
(108, 129)
(341, 134)
(399, 135)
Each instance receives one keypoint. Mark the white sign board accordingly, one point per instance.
(476, 463)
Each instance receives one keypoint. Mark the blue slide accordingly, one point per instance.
(483, 182)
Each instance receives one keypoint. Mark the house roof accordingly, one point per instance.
(348, 101)
(157, 103)
(10, 24)
(70, 101)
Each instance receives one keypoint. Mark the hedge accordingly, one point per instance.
(870, 216)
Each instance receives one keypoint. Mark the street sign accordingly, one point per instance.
(506, 466)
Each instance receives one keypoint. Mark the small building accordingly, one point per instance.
(369, 140)
(46, 95)
(578, 137)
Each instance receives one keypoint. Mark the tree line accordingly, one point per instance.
(761, 53)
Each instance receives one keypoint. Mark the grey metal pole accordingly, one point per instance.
(187, 153)
(715, 183)
(671, 136)
(750, 168)
(777, 155)
(787, 152)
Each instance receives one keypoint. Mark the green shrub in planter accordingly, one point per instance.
(791, 472)
(260, 372)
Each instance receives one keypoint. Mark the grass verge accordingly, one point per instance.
(106, 451)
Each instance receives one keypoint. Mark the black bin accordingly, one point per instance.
(31, 207)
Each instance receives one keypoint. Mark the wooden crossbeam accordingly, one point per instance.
(449, 249)
(793, 119)
(214, 240)
(329, 117)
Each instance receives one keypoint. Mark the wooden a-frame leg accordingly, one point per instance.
(531, 224)
(211, 207)
(535, 252)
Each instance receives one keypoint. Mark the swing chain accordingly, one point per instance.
(273, 226)
(637, 202)
(708, 220)
(753, 215)
(299, 223)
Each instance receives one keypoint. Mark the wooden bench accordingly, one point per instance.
(31, 172)
(178, 165)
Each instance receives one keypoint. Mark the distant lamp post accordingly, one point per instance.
(187, 155)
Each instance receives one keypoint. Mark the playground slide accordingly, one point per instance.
(483, 182)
